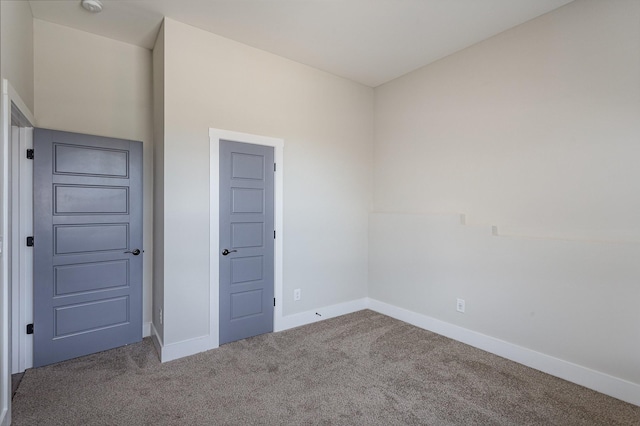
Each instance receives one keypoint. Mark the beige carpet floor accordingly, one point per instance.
(359, 369)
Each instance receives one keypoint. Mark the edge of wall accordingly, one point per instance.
(595, 380)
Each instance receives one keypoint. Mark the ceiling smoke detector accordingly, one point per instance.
(93, 6)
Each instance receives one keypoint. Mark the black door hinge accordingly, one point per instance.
(29, 241)
(274, 301)
(30, 154)
(274, 167)
(274, 235)
(29, 328)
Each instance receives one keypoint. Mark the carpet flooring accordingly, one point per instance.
(359, 369)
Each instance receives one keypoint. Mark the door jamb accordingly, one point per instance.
(215, 136)
(22, 256)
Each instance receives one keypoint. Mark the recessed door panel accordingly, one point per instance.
(247, 166)
(245, 235)
(91, 161)
(90, 238)
(91, 316)
(78, 199)
(247, 200)
(246, 304)
(87, 277)
(247, 269)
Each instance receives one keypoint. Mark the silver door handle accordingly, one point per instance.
(227, 251)
(134, 252)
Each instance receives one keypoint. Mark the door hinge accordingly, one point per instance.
(274, 235)
(29, 328)
(274, 167)
(30, 154)
(274, 301)
(29, 241)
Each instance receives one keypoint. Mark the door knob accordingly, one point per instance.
(227, 251)
(133, 252)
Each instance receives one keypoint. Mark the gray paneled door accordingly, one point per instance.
(88, 244)
(246, 240)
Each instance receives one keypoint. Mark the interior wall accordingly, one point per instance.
(90, 84)
(327, 125)
(535, 131)
(17, 48)
(158, 183)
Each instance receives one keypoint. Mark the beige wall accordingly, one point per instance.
(17, 48)
(326, 123)
(535, 131)
(90, 84)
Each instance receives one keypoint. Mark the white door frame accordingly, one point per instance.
(9, 99)
(21, 255)
(215, 136)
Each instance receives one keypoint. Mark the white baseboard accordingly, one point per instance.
(172, 351)
(600, 382)
(315, 315)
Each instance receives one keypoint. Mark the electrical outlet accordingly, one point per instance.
(460, 305)
(160, 316)
(297, 294)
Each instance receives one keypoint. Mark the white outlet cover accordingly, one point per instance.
(460, 305)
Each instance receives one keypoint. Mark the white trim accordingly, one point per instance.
(5, 332)
(600, 382)
(146, 329)
(185, 348)
(22, 313)
(309, 317)
(215, 135)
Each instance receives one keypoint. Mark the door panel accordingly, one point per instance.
(246, 230)
(91, 161)
(91, 316)
(74, 199)
(70, 279)
(87, 215)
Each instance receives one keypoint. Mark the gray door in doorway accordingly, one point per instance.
(88, 244)
(246, 240)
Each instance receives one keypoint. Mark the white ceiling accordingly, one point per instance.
(368, 41)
